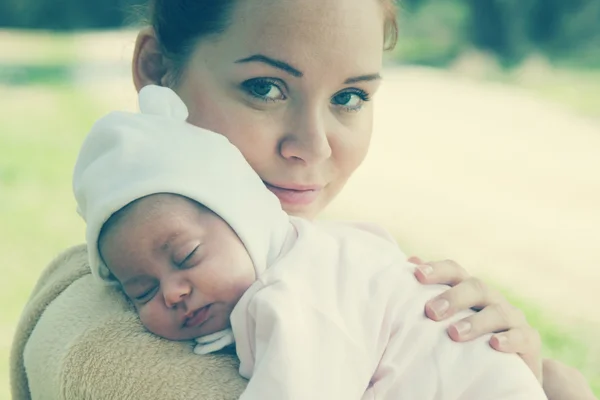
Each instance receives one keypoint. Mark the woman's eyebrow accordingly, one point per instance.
(362, 78)
(282, 65)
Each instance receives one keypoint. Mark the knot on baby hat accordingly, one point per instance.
(127, 156)
(162, 101)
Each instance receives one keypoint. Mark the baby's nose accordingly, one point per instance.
(175, 294)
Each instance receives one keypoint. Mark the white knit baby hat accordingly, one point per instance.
(127, 156)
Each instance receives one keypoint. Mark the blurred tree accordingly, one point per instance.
(511, 29)
(433, 31)
(546, 20)
(65, 14)
(502, 26)
(578, 32)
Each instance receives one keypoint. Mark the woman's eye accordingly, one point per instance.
(264, 89)
(350, 100)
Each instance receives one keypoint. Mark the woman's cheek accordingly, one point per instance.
(351, 145)
(249, 131)
(256, 137)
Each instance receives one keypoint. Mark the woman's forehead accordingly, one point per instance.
(307, 33)
(318, 14)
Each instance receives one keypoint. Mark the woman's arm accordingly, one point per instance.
(513, 334)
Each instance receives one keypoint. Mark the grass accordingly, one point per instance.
(575, 87)
(35, 48)
(40, 132)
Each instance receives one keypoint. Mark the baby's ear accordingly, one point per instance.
(163, 101)
(115, 284)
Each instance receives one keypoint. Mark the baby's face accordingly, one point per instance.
(181, 265)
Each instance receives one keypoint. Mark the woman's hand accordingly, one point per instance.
(562, 382)
(512, 333)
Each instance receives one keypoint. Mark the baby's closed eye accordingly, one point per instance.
(144, 295)
(183, 256)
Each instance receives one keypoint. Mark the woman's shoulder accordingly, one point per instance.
(73, 259)
(68, 266)
(80, 339)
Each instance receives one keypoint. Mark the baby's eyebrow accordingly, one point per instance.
(133, 281)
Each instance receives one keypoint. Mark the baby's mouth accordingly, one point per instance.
(196, 318)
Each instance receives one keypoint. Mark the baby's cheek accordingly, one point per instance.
(156, 321)
(147, 318)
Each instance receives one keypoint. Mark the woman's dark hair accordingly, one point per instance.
(179, 24)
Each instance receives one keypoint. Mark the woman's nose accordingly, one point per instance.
(307, 140)
(175, 292)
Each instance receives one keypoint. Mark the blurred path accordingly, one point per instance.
(487, 175)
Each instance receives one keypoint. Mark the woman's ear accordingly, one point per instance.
(149, 66)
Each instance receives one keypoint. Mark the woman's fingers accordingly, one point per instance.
(497, 317)
(512, 332)
(526, 342)
(445, 272)
(469, 293)
(522, 340)
(415, 260)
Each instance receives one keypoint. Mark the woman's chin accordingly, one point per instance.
(306, 212)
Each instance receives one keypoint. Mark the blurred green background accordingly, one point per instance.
(64, 65)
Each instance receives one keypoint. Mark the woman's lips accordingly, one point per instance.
(197, 318)
(295, 194)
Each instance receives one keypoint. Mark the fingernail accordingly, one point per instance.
(439, 307)
(462, 327)
(502, 340)
(425, 269)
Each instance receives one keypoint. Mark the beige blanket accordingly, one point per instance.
(79, 340)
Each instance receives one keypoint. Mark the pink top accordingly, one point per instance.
(340, 316)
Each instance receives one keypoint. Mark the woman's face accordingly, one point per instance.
(290, 83)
